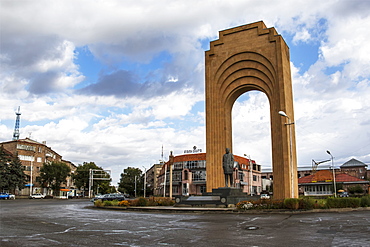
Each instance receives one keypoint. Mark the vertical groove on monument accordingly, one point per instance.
(246, 58)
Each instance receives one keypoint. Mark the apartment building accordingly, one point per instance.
(33, 155)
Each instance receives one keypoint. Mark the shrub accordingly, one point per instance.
(142, 201)
(306, 203)
(152, 201)
(260, 204)
(108, 203)
(124, 203)
(244, 205)
(345, 202)
(164, 201)
(277, 204)
(320, 204)
(291, 203)
(98, 203)
(365, 201)
(134, 202)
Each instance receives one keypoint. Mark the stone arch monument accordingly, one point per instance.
(245, 58)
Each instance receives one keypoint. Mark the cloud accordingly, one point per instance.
(120, 83)
(149, 89)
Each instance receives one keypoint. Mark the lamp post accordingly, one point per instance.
(250, 173)
(144, 181)
(289, 124)
(31, 176)
(135, 186)
(332, 166)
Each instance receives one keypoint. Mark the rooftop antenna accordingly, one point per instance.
(16, 128)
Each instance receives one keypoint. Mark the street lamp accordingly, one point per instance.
(282, 113)
(144, 181)
(135, 186)
(250, 173)
(332, 166)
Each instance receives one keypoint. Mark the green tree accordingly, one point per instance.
(11, 172)
(127, 181)
(53, 174)
(357, 189)
(82, 175)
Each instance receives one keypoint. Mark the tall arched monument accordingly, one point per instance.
(245, 58)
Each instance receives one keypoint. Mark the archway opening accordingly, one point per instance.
(251, 129)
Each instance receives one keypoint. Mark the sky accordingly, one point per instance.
(112, 82)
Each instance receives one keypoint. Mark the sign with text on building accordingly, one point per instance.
(193, 151)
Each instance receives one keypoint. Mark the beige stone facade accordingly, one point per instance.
(245, 58)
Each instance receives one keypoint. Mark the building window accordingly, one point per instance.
(178, 166)
(39, 159)
(26, 157)
(195, 164)
(176, 176)
(26, 147)
(241, 176)
(254, 178)
(199, 176)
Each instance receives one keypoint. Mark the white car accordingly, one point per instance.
(37, 196)
(265, 196)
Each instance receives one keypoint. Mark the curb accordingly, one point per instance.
(164, 209)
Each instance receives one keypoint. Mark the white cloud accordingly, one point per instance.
(118, 129)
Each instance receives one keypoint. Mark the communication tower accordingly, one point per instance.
(16, 128)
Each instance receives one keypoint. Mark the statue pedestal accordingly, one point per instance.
(221, 197)
(229, 195)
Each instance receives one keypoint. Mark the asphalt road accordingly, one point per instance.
(70, 223)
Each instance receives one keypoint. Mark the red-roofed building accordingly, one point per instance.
(189, 176)
(321, 183)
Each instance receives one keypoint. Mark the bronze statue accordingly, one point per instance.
(228, 165)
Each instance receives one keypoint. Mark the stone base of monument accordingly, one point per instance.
(221, 197)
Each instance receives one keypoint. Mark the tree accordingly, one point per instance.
(11, 173)
(82, 175)
(127, 181)
(357, 189)
(53, 174)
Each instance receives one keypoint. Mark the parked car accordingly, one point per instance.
(113, 196)
(265, 196)
(343, 194)
(7, 196)
(97, 197)
(37, 196)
